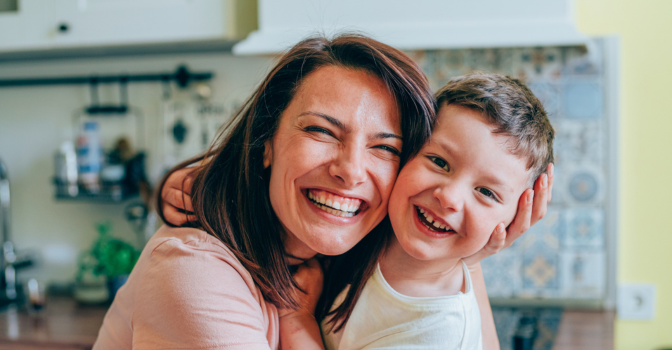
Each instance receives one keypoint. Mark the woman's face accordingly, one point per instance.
(334, 159)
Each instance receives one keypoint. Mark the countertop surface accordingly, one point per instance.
(581, 329)
(65, 325)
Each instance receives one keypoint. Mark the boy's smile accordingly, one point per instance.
(448, 200)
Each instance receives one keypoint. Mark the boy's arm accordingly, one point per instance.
(299, 328)
(490, 340)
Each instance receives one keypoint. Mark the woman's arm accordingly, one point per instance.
(490, 340)
(299, 328)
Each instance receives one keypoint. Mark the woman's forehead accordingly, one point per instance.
(356, 98)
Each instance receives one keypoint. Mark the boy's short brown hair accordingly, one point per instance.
(510, 105)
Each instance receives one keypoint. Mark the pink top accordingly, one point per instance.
(188, 291)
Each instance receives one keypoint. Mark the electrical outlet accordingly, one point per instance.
(636, 301)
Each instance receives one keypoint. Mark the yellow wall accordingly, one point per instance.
(645, 222)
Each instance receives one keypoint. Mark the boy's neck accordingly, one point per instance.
(421, 278)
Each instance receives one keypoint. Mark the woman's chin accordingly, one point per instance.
(333, 248)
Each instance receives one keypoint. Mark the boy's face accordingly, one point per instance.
(464, 180)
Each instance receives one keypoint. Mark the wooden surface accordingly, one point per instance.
(62, 326)
(66, 326)
(585, 330)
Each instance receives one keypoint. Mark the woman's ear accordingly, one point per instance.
(268, 153)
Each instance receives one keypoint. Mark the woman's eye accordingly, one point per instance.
(486, 192)
(440, 162)
(389, 149)
(318, 129)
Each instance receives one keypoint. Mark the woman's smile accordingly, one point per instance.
(334, 204)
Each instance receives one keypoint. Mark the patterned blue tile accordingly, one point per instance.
(541, 274)
(501, 273)
(548, 93)
(548, 322)
(585, 227)
(578, 142)
(582, 100)
(544, 235)
(583, 274)
(584, 185)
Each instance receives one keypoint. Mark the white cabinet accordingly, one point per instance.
(55, 24)
(413, 25)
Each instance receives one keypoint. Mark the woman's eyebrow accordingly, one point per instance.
(387, 135)
(335, 122)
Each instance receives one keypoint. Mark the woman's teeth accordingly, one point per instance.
(333, 204)
(432, 224)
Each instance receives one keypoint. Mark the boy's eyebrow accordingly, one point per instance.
(490, 178)
(337, 123)
(496, 181)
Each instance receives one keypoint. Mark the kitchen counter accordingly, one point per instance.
(582, 329)
(65, 325)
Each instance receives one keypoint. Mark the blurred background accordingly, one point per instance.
(99, 98)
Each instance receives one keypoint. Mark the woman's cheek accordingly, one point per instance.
(384, 173)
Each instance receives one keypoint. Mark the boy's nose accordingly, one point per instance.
(450, 198)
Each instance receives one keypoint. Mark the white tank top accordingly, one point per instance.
(386, 319)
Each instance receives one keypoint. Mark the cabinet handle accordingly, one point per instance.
(63, 28)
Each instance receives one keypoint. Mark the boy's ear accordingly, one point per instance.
(268, 153)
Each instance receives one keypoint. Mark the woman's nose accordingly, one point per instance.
(450, 197)
(349, 167)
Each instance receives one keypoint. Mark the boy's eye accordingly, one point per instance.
(486, 192)
(440, 162)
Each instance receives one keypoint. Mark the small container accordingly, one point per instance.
(89, 156)
(65, 168)
(35, 297)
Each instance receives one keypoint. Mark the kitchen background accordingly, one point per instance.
(566, 257)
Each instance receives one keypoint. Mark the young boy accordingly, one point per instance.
(491, 141)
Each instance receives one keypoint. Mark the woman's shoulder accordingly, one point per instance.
(190, 253)
(191, 274)
(167, 237)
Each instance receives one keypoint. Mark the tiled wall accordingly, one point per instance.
(563, 256)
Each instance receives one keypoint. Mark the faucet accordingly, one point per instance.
(7, 271)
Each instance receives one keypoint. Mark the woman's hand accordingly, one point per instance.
(531, 208)
(310, 278)
(298, 328)
(176, 197)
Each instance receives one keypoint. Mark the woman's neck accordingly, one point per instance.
(421, 278)
(297, 251)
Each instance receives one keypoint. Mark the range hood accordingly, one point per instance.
(414, 25)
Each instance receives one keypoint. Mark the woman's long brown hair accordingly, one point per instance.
(230, 194)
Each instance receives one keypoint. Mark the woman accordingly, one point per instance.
(336, 118)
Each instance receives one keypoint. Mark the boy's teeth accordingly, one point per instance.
(430, 220)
